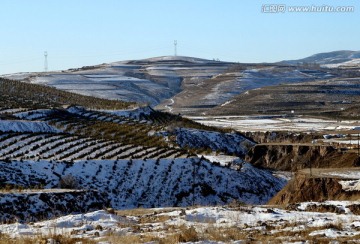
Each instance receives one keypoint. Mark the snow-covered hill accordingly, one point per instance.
(143, 81)
(231, 143)
(150, 183)
(334, 57)
(26, 126)
(178, 84)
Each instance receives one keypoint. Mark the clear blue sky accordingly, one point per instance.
(85, 32)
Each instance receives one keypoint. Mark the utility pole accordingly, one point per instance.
(175, 48)
(45, 61)
(358, 145)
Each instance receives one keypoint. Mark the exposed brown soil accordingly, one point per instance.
(281, 136)
(292, 157)
(303, 188)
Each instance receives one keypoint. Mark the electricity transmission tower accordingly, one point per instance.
(45, 61)
(175, 48)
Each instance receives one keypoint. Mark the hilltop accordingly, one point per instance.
(193, 86)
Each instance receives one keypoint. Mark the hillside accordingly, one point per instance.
(142, 81)
(16, 94)
(335, 57)
(193, 86)
(216, 92)
(329, 98)
(127, 158)
(150, 183)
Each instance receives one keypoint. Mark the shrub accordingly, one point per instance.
(68, 182)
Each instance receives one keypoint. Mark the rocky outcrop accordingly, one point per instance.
(292, 157)
(303, 188)
(45, 204)
(280, 136)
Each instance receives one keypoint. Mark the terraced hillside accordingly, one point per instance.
(63, 146)
(141, 127)
(129, 156)
(142, 81)
(150, 183)
(136, 157)
(15, 94)
(217, 91)
(330, 98)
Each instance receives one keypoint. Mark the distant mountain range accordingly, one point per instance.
(334, 57)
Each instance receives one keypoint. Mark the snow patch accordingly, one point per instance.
(27, 126)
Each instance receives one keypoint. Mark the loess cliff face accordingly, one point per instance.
(294, 157)
(303, 188)
(281, 136)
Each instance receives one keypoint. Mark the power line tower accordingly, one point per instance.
(45, 61)
(175, 48)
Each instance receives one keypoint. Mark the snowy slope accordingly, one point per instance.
(143, 81)
(164, 182)
(328, 58)
(351, 63)
(128, 113)
(231, 143)
(38, 205)
(26, 126)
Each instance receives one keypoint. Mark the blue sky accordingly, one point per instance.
(85, 32)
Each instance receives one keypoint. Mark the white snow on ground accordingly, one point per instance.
(353, 62)
(144, 81)
(33, 114)
(350, 185)
(132, 113)
(222, 159)
(226, 142)
(65, 225)
(348, 138)
(12, 110)
(169, 106)
(245, 218)
(26, 126)
(275, 123)
(343, 205)
(128, 113)
(18, 76)
(174, 58)
(353, 174)
(350, 179)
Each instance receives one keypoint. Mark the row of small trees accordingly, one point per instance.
(14, 94)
